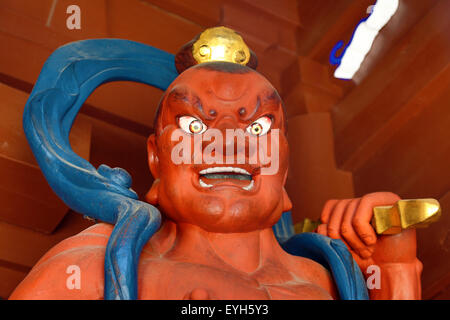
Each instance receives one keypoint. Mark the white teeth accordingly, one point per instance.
(205, 185)
(224, 169)
(249, 187)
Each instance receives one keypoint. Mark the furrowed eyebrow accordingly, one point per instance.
(255, 109)
(273, 97)
(190, 98)
(180, 95)
(269, 99)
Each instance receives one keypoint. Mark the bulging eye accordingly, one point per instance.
(191, 125)
(260, 127)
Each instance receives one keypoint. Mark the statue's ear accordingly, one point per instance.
(153, 163)
(152, 156)
(287, 204)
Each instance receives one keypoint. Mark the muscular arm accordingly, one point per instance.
(54, 276)
(389, 263)
(399, 281)
(400, 269)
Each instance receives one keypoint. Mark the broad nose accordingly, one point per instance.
(226, 122)
(229, 128)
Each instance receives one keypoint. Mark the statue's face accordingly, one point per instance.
(222, 184)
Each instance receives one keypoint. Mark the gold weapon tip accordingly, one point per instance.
(405, 214)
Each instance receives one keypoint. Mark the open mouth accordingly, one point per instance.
(226, 175)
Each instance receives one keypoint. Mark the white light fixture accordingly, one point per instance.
(363, 37)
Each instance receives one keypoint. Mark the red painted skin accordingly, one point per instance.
(217, 243)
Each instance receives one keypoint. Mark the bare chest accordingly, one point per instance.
(165, 279)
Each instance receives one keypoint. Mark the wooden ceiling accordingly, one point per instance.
(387, 129)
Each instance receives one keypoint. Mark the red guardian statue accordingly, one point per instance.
(219, 157)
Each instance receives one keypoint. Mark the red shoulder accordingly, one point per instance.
(73, 269)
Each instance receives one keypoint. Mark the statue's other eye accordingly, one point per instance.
(191, 125)
(260, 127)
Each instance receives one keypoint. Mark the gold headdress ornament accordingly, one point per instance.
(215, 44)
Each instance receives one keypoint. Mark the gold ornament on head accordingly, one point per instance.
(220, 44)
(215, 44)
